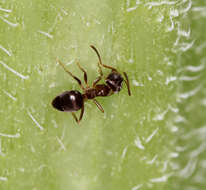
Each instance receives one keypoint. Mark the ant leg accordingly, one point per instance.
(80, 117)
(75, 117)
(74, 77)
(96, 81)
(98, 105)
(100, 61)
(81, 114)
(99, 77)
(127, 83)
(85, 73)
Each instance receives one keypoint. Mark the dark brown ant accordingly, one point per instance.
(72, 101)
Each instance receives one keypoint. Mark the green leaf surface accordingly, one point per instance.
(130, 146)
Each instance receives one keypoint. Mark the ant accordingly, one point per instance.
(72, 101)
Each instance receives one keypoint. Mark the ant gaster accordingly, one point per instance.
(72, 101)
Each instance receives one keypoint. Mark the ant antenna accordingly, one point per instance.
(100, 61)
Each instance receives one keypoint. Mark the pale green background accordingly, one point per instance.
(146, 141)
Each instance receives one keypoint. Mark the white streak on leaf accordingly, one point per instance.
(136, 83)
(159, 116)
(131, 9)
(35, 121)
(173, 109)
(5, 50)
(138, 143)
(174, 13)
(149, 78)
(5, 10)
(180, 119)
(70, 62)
(3, 178)
(61, 143)
(204, 101)
(201, 10)
(151, 136)
(55, 124)
(1, 153)
(189, 78)
(184, 33)
(188, 170)
(188, 94)
(13, 71)
(52, 85)
(124, 152)
(172, 25)
(64, 11)
(17, 135)
(136, 187)
(46, 34)
(173, 155)
(21, 170)
(9, 95)
(199, 132)
(187, 8)
(170, 79)
(200, 48)
(32, 148)
(153, 4)
(186, 46)
(160, 18)
(174, 129)
(164, 178)
(153, 160)
(198, 151)
(8, 22)
(164, 168)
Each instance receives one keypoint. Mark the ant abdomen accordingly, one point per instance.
(68, 101)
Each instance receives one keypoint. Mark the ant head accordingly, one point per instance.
(114, 81)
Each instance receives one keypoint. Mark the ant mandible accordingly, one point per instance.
(72, 101)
